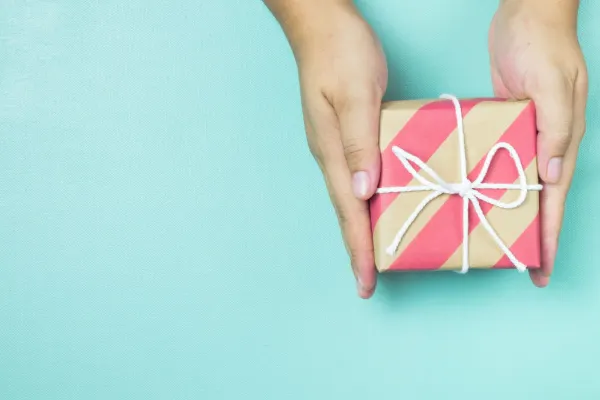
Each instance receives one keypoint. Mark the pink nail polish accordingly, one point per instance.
(554, 170)
(360, 184)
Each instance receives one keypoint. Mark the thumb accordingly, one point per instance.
(359, 126)
(554, 110)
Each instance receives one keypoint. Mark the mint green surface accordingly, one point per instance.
(165, 234)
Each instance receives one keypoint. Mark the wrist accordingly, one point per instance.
(305, 21)
(561, 4)
(559, 13)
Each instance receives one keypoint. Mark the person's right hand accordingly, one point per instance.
(343, 77)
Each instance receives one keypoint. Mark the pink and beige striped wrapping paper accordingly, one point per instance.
(428, 129)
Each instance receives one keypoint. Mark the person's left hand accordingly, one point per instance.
(535, 54)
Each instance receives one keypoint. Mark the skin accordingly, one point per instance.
(534, 53)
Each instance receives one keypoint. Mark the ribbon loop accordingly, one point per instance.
(466, 189)
(406, 158)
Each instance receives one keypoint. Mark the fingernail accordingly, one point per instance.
(554, 170)
(540, 278)
(360, 184)
(362, 290)
(543, 281)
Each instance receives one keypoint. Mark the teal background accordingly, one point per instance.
(165, 233)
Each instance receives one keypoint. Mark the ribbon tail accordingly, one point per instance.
(486, 224)
(465, 255)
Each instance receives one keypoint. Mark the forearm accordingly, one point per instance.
(288, 11)
(303, 19)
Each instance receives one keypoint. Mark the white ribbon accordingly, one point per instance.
(468, 190)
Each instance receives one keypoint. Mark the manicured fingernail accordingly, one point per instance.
(554, 170)
(540, 278)
(362, 291)
(360, 184)
(543, 281)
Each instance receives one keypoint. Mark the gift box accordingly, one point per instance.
(459, 186)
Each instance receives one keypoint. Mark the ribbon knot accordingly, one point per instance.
(466, 189)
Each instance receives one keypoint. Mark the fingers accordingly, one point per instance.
(354, 220)
(552, 207)
(554, 108)
(359, 114)
(561, 122)
(353, 214)
(551, 213)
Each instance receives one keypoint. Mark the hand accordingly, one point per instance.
(343, 77)
(535, 54)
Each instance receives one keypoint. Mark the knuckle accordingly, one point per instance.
(561, 141)
(318, 147)
(357, 95)
(570, 78)
(584, 78)
(354, 151)
(342, 217)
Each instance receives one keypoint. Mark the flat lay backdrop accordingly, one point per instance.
(165, 234)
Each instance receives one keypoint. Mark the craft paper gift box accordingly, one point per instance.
(418, 214)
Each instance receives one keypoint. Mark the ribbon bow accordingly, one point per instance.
(466, 189)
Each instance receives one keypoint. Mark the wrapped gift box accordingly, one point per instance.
(429, 130)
